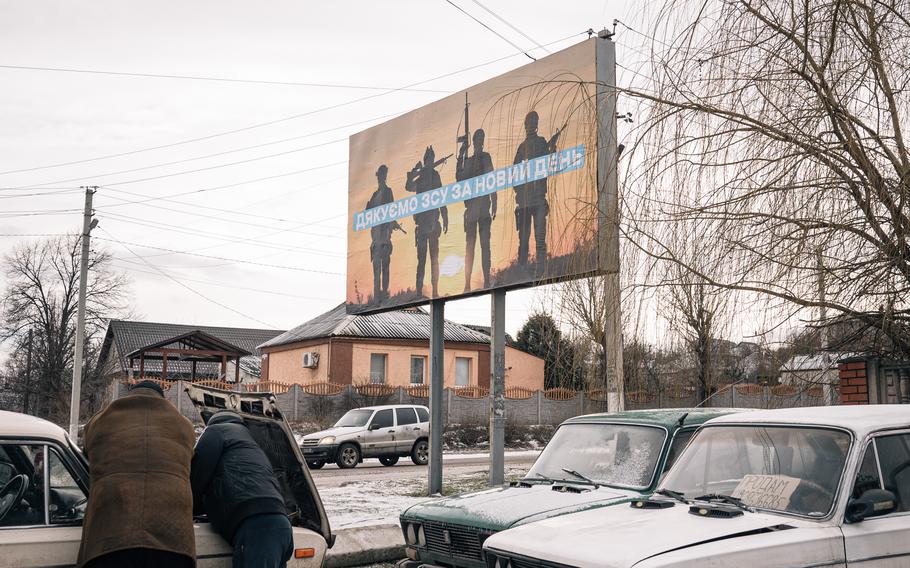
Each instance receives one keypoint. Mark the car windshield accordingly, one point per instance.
(778, 468)
(611, 454)
(354, 418)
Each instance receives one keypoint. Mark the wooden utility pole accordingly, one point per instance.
(76, 396)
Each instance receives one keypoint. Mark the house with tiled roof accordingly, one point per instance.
(388, 348)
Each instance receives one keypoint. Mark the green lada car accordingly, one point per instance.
(592, 461)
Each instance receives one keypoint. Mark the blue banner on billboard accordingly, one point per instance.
(503, 178)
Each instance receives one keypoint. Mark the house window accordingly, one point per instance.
(418, 369)
(377, 368)
(462, 371)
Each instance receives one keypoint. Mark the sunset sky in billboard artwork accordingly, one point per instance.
(537, 179)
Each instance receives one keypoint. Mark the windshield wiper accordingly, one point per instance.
(728, 499)
(580, 476)
(673, 495)
(542, 477)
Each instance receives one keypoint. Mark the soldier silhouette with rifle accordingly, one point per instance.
(531, 206)
(381, 236)
(479, 212)
(423, 177)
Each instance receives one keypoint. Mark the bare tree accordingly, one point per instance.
(41, 294)
(791, 117)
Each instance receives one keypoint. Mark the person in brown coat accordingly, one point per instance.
(140, 506)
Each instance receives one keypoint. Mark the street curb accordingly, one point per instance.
(365, 545)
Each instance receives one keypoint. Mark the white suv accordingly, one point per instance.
(385, 432)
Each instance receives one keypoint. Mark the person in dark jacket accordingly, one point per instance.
(140, 505)
(233, 483)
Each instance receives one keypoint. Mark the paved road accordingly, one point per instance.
(371, 469)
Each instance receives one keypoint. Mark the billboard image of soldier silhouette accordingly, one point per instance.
(423, 177)
(381, 237)
(479, 212)
(531, 205)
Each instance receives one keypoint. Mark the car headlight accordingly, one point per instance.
(411, 534)
(421, 539)
(327, 440)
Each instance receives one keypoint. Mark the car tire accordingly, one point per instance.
(348, 456)
(388, 460)
(315, 464)
(420, 453)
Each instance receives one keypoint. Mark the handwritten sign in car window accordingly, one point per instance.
(766, 491)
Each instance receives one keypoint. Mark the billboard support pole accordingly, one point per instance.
(608, 204)
(437, 375)
(498, 386)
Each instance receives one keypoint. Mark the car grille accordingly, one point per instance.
(464, 542)
(310, 443)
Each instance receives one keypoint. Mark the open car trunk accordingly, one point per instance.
(271, 431)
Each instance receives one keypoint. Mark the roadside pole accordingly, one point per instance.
(87, 225)
(827, 388)
(608, 205)
(437, 376)
(498, 386)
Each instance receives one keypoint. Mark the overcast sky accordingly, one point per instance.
(277, 194)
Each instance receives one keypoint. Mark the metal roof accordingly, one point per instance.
(399, 324)
(128, 336)
(193, 340)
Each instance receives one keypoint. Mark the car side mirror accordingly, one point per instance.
(872, 503)
(374, 426)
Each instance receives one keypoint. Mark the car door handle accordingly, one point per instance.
(418, 428)
(391, 431)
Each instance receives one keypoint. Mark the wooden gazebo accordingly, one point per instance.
(193, 347)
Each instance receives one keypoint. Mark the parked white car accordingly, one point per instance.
(788, 488)
(42, 508)
(387, 432)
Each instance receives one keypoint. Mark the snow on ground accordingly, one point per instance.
(381, 501)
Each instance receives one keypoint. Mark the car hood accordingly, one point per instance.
(345, 431)
(631, 535)
(269, 428)
(499, 509)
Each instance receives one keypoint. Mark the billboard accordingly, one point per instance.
(492, 187)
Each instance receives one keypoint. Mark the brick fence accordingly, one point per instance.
(325, 403)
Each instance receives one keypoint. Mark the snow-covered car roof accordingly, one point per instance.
(861, 419)
(16, 425)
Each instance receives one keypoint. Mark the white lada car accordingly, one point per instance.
(788, 488)
(41, 508)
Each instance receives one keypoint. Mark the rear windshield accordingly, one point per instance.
(353, 418)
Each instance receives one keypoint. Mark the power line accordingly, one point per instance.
(497, 34)
(287, 118)
(514, 28)
(197, 170)
(221, 284)
(174, 210)
(34, 235)
(188, 287)
(218, 236)
(218, 79)
(228, 186)
(235, 211)
(40, 193)
(235, 260)
(215, 154)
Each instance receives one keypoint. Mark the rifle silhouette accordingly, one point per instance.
(551, 143)
(465, 139)
(419, 167)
